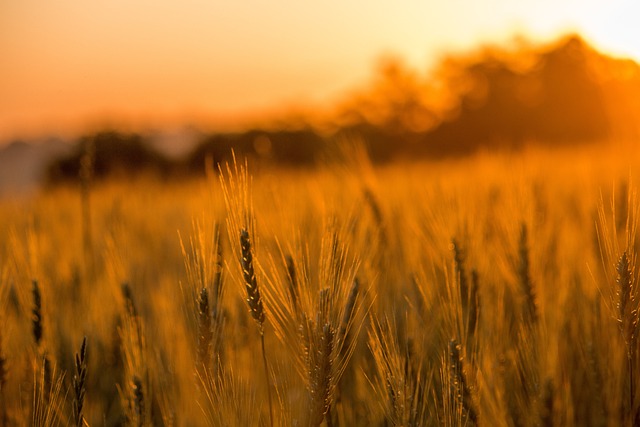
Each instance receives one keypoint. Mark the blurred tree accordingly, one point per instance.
(555, 100)
(286, 147)
(398, 99)
(492, 98)
(114, 153)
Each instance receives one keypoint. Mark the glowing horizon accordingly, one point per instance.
(74, 65)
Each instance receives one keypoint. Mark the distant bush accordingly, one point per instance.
(112, 153)
(287, 147)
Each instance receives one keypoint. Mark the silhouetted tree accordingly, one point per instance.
(114, 153)
(291, 148)
(492, 98)
(556, 101)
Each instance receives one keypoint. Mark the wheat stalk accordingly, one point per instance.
(138, 401)
(205, 334)
(321, 373)
(400, 380)
(627, 318)
(47, 398)
(461, 274)
(292, 281)
(473, 314)
(547, 404)
(349, 309)
(524, 276)
(79, 384)
(36, 313)
(460, 389)
(626, 313)
(136, 390)
(3, 381)
(3, 368)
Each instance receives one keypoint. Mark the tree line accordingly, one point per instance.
(562, 93)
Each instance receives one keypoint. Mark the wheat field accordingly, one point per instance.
(498, 290)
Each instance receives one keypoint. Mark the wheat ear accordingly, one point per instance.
(627, 316)
(254, 300)
(459, 386)
(205, 334)
(320, 381)
(139, 401)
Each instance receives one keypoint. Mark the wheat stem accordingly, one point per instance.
(79, 383)
(266, 372)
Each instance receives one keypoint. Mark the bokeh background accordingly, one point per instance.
(162, 85)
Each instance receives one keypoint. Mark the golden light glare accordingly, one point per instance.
(68, 62)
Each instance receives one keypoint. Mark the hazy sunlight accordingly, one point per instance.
(72, 64)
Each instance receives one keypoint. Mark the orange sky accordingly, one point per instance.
(69, 64)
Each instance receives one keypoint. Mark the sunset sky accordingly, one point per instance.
(67, 65)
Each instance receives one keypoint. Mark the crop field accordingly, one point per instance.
(496, 290)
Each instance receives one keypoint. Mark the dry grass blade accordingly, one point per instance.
(235, 183)
(230, 402)
(48, 400)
